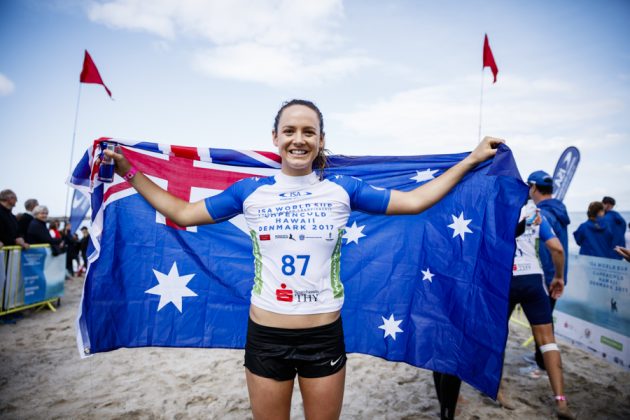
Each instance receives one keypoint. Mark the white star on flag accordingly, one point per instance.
(354, 233)
(425, 175)
(427, 275)
(171, 287)
(460, 225)
(390, 326)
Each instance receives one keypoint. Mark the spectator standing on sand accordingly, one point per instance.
(615, 222)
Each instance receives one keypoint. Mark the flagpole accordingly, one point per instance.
(74, 135)
(480, 106)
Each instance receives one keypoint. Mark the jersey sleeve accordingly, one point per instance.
(546, 232)
(365, 197)
(229, 202)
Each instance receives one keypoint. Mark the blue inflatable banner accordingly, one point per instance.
(565, 169)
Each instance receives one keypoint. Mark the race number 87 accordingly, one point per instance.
(288, 264)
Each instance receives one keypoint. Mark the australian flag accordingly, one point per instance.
(430, 290)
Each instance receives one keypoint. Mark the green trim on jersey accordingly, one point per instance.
(258, 282)
(335, 268)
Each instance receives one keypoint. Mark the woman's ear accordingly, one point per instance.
(274, 137)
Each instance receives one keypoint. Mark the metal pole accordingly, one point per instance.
(480, 106)
(74, 135)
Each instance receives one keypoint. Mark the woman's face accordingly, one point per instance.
(42, 215)
(298, 139)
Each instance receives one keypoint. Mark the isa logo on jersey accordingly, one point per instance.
(294, 194)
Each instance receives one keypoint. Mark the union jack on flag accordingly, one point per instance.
(430, 290)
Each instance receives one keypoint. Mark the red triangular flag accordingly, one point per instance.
(90, 73)
(488, 59)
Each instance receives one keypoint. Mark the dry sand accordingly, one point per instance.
(42, 376)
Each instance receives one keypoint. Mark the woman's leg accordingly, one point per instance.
(447, 389)
(270, 399)
(323, 397)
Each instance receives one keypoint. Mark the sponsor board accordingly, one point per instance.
(594, 311)
(609, 345)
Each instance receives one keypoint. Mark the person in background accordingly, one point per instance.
(38, 232)
(555, 212)
(83, 246)
(72, 246)
(593, 236)
(9, 232)
(27, 216)
(53, 229)
(615, 222)
(528, 290)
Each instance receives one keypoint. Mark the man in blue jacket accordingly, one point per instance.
(540, 190)
(616, 223)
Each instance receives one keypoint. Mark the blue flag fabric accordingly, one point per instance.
(430, 290)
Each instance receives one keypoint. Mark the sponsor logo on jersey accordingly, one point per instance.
(289, 236)
(265, 237)
(306, 296)
(302, 237)
(294, 194)
(284, 294)
(522, 267)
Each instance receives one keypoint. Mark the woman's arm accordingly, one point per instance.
(425, 196)
(181, 212)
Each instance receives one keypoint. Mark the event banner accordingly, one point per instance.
(43, 274)
(30, 276)
(594, 311)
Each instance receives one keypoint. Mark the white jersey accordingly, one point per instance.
(296, 225)
(526, 259)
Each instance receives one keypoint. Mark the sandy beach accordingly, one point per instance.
(42, 376)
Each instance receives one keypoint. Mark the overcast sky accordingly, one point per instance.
(391, 77)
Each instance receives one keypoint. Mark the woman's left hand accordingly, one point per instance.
(485, 150)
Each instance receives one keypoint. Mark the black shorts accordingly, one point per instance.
(280, 353)
(529, 290)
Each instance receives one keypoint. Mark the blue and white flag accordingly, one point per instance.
(565, 169)
(430, 290)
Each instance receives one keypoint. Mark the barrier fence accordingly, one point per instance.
(30, 278)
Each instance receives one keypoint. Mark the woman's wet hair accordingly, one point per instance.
(321, 161)
(302, 102)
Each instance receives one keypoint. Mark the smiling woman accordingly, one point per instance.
(298, 133)
(294, 325)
